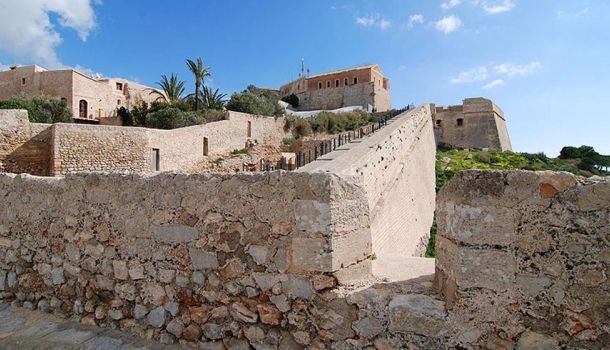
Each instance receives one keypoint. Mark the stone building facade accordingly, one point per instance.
(90, 99)
(363, 86)
(477, 123)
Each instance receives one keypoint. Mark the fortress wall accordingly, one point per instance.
(78, 147)
(396, 169)
(526, 253)
(181, 149)
(24, 147)
(45, 149)
(194, 258)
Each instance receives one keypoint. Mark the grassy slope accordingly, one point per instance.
(450, 162)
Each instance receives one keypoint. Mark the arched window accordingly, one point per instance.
(82, 109)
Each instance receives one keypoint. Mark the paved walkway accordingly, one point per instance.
(32, 330)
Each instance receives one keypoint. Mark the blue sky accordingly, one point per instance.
(546, 63)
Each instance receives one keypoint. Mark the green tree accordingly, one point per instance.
(213, 99)
(172, 89)
(200, 72)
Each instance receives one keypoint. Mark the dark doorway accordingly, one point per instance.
(82, 109)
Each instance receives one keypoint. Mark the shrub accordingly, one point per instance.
(256, 101)
(172, 118)
(41, 109)
(236, 152)
(217, 161)
(288, 141)
(292, 99)
(301, 127)
(126, 116)
(212, 115)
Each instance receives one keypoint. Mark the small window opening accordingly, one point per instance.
(319, 85)
(439, 123)
(337, 83)
(22, 81)
(346, 82)
(460, 122)
(355, 80)
(154, 166)
(119, 86)
(205, 146)
(118, 102)
(249, 129)
(328, 84)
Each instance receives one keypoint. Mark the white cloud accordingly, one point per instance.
(572, 16)
(450, 4)
(493, 84)
(448, 24)
(471, 76)
(496, 6)
(511, 69)
(373, 20)
(414, 20)
(27, 33)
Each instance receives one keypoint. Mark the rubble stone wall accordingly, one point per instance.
(57, 149)
(24, 146)
(523, 258)
(244, 259)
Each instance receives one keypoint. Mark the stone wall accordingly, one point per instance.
(478, 123)
(57, 149)
(24, 146)
(395, 167)
(523, 259)
(192, 257)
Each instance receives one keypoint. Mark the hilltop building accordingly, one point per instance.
(91, 100)
(477, 123)
(363, 86)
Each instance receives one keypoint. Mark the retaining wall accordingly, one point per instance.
(58, 149)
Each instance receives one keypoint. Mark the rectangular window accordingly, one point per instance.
(337, 83)
(249, 129)
(320, 85)
(460, 122)
(205, 146)
(119, 86)
(154, 166)
(22, 81)
(439, 123)
(328, 84)
(355, 80)
(346, 82)
(118, 102)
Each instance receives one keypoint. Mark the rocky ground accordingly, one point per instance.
(233, 163)
(21, 328)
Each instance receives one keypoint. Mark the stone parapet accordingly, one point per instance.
(524, 257)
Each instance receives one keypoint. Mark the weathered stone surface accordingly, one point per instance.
(417, 313)
(175, 233)
(175, 327)
(156, 317)
(269, 314)
(297, 287)
(242, 313)
(203, 260)
(535, 341)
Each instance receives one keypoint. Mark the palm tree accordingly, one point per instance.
(200, 72)
(172, 89)
(213, 99)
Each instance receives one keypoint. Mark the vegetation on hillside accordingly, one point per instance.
(41, 108)
(583, 161)
(255, 100)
